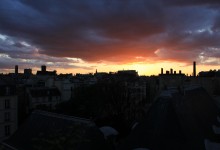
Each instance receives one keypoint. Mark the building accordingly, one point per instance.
(65, 87)
(8, 109)
(178, 119)
(84, 80)
(44, 130)
(16, 69)
(210, 73)
(171, 73)
(44, 72)
(128, 73)
(27, 72)
(171, 78)
(100, 75)
(136, 91)
(43, 97)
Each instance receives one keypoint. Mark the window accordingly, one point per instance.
(7, 103)
(7, 130)
(7, 116)
(43, 99)
(49, 98)
(7, 90)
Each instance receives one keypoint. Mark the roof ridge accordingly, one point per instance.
(62, 116)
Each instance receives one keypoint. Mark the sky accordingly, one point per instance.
(73, 36)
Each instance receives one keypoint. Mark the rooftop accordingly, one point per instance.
(45, 130)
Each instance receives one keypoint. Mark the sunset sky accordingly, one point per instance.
(80, 36)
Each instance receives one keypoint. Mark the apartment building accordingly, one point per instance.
(8, 109)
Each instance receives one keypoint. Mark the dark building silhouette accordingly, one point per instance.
(128, 72)
(16, 69)
(43, 68)
(45, 72)
(27, 72)
(194, 69)
(171, 71)
(210, 73)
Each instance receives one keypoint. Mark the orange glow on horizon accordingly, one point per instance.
(143, 69)
(147, 68)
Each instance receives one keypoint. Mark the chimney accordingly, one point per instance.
(171, 71)
(167, 72)
(194, 69)
(180, 72)
(174, 72)
(161, 70)
(16, 69)
(43, 68)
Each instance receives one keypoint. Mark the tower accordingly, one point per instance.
(194, 69)
(16, 69)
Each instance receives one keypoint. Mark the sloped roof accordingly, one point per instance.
(43, 130)
(181, 121)
(108, 131)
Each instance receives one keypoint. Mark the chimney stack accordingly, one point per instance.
(194, 69)
(171, 71)
(16, 69)
(162, 71)
(43, 68)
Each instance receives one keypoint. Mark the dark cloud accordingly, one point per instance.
(7, 62)
(112, 30)
(216, 24)
(81, 29)
(192, 2)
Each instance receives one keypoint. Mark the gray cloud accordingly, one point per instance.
(109, 30)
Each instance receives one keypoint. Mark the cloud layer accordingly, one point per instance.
(118, 31)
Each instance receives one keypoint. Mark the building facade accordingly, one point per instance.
(8, 110)
(43, 97)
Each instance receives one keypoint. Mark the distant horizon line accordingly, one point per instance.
(36, 69)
